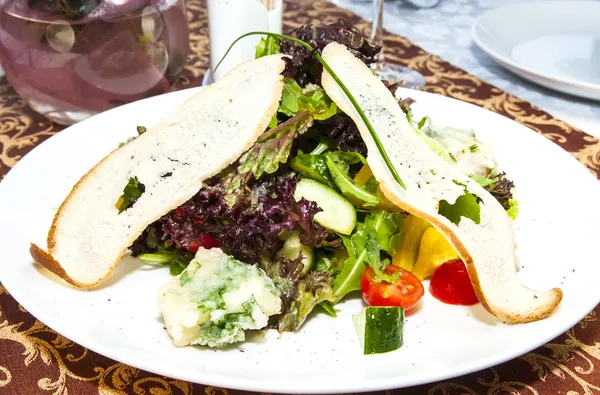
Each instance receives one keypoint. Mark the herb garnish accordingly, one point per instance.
(131, 193)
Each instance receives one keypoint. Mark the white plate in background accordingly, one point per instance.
(557, 235)
(553, 43)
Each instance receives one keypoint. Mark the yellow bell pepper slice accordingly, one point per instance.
(433, 252)
(406, 251)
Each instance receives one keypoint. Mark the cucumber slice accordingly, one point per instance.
(379, 328)
(292, 248)
(338, 213)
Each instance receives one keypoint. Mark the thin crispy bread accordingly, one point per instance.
(88, 236)
(487, 248)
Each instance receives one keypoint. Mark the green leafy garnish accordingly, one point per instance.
(513, 210)
(131, 193)
(311, 98)
(501, 188)
(327, 306)
(273, 122)
(274, 146)
(324, 143)
(312, 166)
(267, 46)
(483, 181)
(141, 130)
(466, 205)
(343, 87)
(338, 164)
(168, 257)
(474, 148)
(364, 248)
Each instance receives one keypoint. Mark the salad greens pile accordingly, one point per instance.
(253, 208)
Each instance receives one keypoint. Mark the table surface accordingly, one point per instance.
(445, 30)
(36, 360)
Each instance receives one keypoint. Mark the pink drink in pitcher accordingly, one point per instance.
(69, 59)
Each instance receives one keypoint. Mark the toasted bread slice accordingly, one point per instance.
(487, 248)
(88, 236)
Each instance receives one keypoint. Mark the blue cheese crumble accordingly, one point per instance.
(216, 299)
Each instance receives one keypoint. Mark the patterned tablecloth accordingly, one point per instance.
(36, 360)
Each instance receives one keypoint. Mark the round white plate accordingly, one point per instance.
(557, 234)
(553, 43)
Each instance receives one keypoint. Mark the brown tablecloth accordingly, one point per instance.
(36, 360)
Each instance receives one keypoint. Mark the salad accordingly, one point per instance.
(299, 222)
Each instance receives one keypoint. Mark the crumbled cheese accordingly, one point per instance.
(216, 299)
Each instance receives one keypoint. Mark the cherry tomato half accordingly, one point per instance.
(451, 284)
(404, 292)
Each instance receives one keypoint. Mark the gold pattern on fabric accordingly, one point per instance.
(36, 360)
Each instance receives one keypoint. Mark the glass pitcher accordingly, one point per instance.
(70, 59)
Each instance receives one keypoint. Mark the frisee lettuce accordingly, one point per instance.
(274, 146)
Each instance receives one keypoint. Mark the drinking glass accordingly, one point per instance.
(389, 71)
(70, 59)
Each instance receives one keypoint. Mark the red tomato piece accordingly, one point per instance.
(404, 292)
(193, 246)
(209, 242)
(451, 284)
(179, 212)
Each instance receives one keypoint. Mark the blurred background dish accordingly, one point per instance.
(71, 59)
(553, 43)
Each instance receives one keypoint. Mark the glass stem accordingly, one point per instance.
(377, 26)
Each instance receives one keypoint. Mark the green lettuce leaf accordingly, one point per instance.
(513, 210)
(312, 99)
(364, 248)
(274, 146)
(168, 256)
(338, 164)
(267, 46)
(483, 181)
(327, 306)
(312, 290)
(387, 226)
(312, 166)
(466, 205)
(131, 193)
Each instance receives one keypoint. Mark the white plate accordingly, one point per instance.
(553, 43)
(557, 232)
